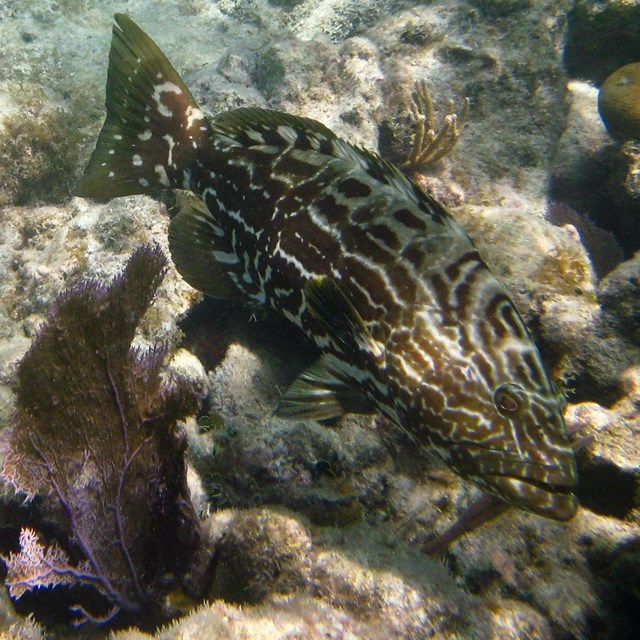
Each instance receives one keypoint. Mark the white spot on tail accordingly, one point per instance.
(172, 144)
(166, 87)
(143, 182)
(136, 161)
(193, 114)
(145, 136)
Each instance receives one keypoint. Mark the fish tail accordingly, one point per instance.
(153, 126)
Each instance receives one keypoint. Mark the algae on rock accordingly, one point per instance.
(39, 155)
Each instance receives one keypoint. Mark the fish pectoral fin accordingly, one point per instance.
(324, 391)
(196, 242)
(327, 303)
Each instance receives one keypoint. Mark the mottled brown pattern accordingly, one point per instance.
(374, 270)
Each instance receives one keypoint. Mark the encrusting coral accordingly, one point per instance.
(95, 429)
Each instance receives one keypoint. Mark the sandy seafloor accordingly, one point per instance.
(320, 531)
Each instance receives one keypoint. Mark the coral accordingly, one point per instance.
(245, 11)
(603, 248)
(420, 34)
(631, 151)
(40, 567)
(428, 145)
(619, 102)
(95, 429)
(39, 150)
(343, 20)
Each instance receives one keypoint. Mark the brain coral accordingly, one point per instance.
(619, 102)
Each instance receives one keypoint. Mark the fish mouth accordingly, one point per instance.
(542, 486)
(551, 500)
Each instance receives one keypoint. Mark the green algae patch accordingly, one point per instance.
(39, 155)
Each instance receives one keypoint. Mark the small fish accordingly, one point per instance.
(410, 320)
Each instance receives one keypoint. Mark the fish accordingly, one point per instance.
(409, 320)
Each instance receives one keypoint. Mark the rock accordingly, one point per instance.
(336, 590)
(584, 160)
(610, 464)
(602, 36)
(619, 295)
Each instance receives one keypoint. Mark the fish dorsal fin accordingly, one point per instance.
(252, 126)
(339, 318)
(323, 391)
(196, 243)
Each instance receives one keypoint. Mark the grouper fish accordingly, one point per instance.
(409, 320)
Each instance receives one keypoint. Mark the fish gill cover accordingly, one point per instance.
(95, 431)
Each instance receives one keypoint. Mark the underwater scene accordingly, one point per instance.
(320, 319)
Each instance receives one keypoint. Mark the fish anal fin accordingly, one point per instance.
(324, 391)
(194, 242)
(331, 308)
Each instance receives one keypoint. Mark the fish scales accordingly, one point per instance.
(411, 322)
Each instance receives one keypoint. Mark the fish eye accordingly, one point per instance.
(510, 399)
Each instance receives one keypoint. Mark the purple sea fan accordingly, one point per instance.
(95, 429)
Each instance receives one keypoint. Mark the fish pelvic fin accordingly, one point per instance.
(153, 126)
(327, 303)
(323, 391)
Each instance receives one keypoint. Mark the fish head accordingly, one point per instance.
(486, 406)
(519, 450)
